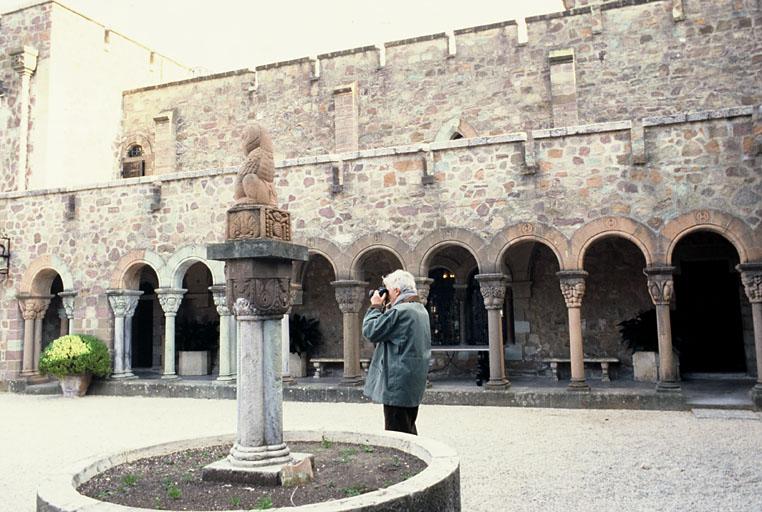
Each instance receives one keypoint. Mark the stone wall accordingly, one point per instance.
(632, 59)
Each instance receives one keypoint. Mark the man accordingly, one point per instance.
(397, 373)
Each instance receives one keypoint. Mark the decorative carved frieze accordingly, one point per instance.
(170, 300)
(261, 296)
(572, 287)
(350, 295)
(751, 277)
(492, 287)
(248, 222)
(660, 284)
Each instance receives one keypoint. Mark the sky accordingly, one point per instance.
(223, 35)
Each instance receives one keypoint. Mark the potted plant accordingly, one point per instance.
(195, 343)
(640, 335)
(305, 336)
(74, 359)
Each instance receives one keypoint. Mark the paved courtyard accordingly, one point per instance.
(512, 459)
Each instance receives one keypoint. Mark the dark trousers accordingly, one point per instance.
(400, 419)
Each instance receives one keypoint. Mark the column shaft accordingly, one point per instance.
(664, 332)
(38, 340)
(127, 341)
(225, 373)
(351, 348)
(756, 312)
(118, 346)
(496, 359)
(250, 385)
(28, 364)
(169, 347)
(273, 385)
(576, 349)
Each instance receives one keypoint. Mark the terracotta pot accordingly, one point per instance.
(75, 385)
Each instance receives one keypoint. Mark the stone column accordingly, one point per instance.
(660, 287)
(170, 300)
(751, 277)
(123, 304)
(64, 328)
(461, 295)
(43, 304)
(285, 348)
(67, 298)
(573, 289)
(423, 285)
(349, 296)
(493, 290)
(29, 307)
(225, 353)
(24, 62)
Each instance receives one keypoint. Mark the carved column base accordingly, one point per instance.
(497, 384)
(170, 376)
(668, 387)
(578, 386)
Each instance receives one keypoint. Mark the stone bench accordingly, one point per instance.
(603, 361)
(319, 364)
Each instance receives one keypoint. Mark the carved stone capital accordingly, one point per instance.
(24, 60)
(660, 284)
(67, 299)
(350, 295)
(751, 277)
(572, 286)
(123, 302)
(220, 299)
(423, 285)
(33, 307)
(170, 299)
(259, 296)
(492, 287)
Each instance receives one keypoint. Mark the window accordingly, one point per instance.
(134, 164)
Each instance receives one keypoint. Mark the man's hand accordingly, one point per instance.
(376, 299)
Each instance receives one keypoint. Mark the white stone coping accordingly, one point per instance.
(409, 149)
(58, 492)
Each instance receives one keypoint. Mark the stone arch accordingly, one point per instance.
(383, 241)
(435, 240)
(515, 234)
(330, 252)
(736, 231)
(178, 264)
(142, 141)
(455, 125)
(40, 274)
(639, 234)
(127, 271)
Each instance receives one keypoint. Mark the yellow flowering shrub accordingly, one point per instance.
(76, 354)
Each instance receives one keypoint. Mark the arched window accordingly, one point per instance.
(456, 136)
(134, 163)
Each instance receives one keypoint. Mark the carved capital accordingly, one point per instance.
(220, 299)
(492, 287)
(350, 295)
(660, 284)
(259, 296)
(123, 302)
(33, 307)
(24, 60)
(751, 277)
(423, 285)
(67, 298)
(572, 286)
(170, 299)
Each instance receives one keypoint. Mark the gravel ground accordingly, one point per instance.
(511, 459)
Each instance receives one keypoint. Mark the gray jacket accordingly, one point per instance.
(397, 373)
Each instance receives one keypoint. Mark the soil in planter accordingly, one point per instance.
(174, 481)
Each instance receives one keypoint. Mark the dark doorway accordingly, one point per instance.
(443, 308)
(476, 320)
(143, 322)
(710, 330)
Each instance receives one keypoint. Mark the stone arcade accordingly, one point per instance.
(543, 189)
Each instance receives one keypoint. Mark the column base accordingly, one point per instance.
(578, 386)
(288, 380)
(170, 376)
(497, 384)
(270, 474)
(225, 378)
(352, 381)
(123, 376)
(668, 387)
(756, 395)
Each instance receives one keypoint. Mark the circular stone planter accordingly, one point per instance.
(435, 489)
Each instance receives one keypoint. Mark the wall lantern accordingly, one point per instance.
(5, 255)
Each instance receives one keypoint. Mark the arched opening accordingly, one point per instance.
(318, 303)
(443, 308)
(54, 323)
(534, 313)
(197, 326)
(713, 316)
(147, 323)
(134, 162)
(615, 291)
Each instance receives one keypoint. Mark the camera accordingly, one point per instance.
(381, 291)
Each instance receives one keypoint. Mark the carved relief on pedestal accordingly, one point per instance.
(259, 296)
(751, 277)
(349, 295)
(492, 287)
(248, 222)
(573, 287)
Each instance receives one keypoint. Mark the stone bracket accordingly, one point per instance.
(70, 207)
(428, 165)
(530, 159)
(638, 142)
(337, 177)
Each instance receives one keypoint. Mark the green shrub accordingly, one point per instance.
(76, 354)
